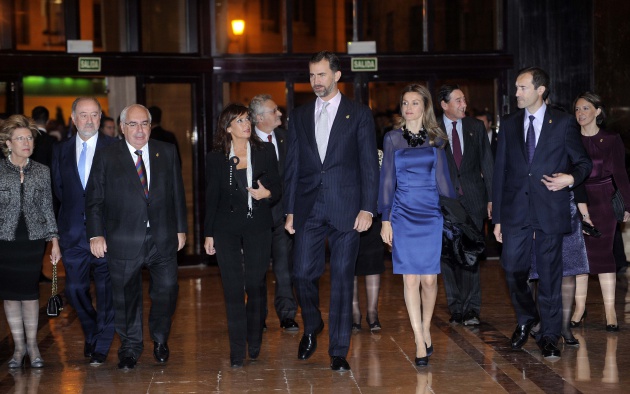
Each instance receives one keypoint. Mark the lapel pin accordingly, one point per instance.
(601, 140)
(470, 134)
(347, 116)
(549, 121)
(157, 155)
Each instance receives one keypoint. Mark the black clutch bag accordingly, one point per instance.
(55, 303)
(618, 205)
(590, 230)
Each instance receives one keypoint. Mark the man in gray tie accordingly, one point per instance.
(331, 188)
(71, 165)
(267, 119)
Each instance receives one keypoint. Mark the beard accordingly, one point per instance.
(326, 91)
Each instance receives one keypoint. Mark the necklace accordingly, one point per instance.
(414, 139)
(20, 167)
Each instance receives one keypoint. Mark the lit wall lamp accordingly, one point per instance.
(238, 27)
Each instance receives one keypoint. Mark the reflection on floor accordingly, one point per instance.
(465, 359)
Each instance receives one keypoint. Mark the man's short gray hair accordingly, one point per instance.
(256, 106)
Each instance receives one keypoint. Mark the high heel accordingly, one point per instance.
(37, 363)
(374, 326)
(612, 328)
(429, 350)
(14, 364)
(570, 341)
(422, 361)
(574, 324)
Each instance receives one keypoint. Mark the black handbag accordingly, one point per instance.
(618, 205)
(55, 303)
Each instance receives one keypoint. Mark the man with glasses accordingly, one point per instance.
(136, 213)
(71, 165)
(267, 119)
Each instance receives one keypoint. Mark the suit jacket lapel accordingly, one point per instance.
(468, 140)
(309, 126)
(338, 126)
(281, 140)
(545, 133)
(70, 158)
(520, 133)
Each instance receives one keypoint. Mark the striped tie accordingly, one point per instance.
(142, 173)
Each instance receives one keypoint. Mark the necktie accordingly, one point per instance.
(530, 142)
(82, 164)
(270, 138)
(457, 146)
(142, 173)
(321, 132)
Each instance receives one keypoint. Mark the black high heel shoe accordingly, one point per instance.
(574, 324)
(375, 325)
(15, 364)
(422, 361)
(570, 341)
(429, 350)
(612, 328)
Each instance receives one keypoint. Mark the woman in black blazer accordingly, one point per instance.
(242, 182)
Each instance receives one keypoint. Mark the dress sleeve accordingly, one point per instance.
(387, 185)
(442, 176)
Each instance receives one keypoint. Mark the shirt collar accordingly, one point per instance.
(262, 134)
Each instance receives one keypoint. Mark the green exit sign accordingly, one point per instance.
(89, 64)
(364, 64)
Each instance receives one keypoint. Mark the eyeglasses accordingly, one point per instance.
(22, 138)
(135, 125)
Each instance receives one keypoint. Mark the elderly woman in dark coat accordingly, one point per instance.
(27, 221)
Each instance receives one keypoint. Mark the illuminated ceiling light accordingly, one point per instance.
(238, 27)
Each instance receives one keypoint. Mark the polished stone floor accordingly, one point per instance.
(466, 360)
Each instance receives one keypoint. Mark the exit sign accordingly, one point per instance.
(364, 64)
(89, 64)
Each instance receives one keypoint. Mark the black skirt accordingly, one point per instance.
(21, 265)
(371, 251)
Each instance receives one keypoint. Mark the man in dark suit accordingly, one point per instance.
(43, 151)
(159, 133)
(470, 164)
(136, 213)
(540, 154)
(267, 118)
(71, 164)
(331, 188)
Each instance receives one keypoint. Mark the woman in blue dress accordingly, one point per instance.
(413, 176)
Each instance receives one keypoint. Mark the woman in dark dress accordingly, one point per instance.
(371, 265)
(606, 150)
(27, 222)
(242, 182)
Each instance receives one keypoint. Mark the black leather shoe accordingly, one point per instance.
(356, 327)
(429, 350)
(456, 318)
(471, 318)
(422, 361)
(127, 363)
(289, 325)
(549, 349)
(339, 363)
(375, 325)
(236, 363)
(88, 349)
(612, 328)
(97, 359)
(160, 352)
(521, 333)
(254, 352)
(308, 343)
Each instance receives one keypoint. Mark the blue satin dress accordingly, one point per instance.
(412, 178)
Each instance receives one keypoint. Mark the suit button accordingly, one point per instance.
(529, 174)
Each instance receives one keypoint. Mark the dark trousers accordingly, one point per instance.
(97, 324)
(244, 273)
(281, 253)
(309, 265)
(462, 287)
(462, 284)
(127, 294)
(516, 261)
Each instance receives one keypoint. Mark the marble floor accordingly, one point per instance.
(466, 360)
